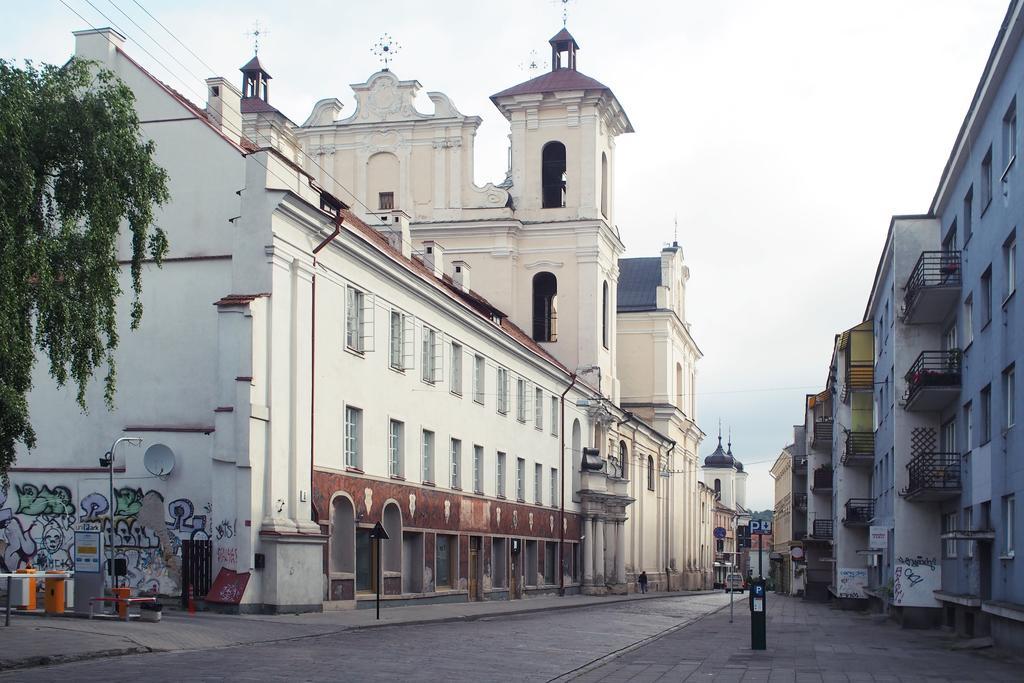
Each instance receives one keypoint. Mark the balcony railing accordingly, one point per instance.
(800, 501)
(933, 476)
(859, 512)
(860, 448)
(822, 437)
(933, 287)
(822, 529)
(822, 479)
(933, 381)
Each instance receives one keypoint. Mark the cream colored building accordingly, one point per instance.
(358, 333)
(782, 474)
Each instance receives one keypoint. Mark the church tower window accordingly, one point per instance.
(650, 473)
(545, 315)
(553, 180)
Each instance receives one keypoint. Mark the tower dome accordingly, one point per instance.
(735, 463)
(719, 458)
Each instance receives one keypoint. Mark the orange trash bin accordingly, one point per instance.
(53, 599)
(122, 607)
(30, 594)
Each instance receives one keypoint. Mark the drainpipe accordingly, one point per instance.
(312, 357)
(561, 497)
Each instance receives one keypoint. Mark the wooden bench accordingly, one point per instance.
(127, 602)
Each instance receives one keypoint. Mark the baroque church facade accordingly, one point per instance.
(476, 368)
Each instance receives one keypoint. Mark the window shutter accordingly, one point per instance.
(409, 343)
(351, 318)
(366, 334)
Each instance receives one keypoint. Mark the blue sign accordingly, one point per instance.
(719, 532)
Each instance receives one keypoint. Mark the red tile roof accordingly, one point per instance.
(254, 105)
(553, 81)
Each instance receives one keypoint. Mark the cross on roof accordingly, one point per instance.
(255, 34)
(386, 48)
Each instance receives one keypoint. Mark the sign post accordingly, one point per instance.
(758, 599)
(379, 534)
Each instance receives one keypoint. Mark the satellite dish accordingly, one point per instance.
(159, 460)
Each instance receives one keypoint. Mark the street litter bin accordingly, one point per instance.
(25, 590)
(54, 591)
(150, 611)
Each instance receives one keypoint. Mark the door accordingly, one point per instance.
(366, 562)
(985, 549)
(515, 578)
(474, 567)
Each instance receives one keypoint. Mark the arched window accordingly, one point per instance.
(604, 184)
(718, 485)
(650, 473)
(679, 386)
(604, 314)
(623, 460)
(545, 293)
(553, 175)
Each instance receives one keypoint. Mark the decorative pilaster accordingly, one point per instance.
(599, 558)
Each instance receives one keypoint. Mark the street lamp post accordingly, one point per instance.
(108, 461)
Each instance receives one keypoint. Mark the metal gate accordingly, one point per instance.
(196, 569)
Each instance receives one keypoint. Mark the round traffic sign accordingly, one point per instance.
(719, 532)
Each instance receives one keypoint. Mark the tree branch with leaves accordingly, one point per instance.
(76, 170)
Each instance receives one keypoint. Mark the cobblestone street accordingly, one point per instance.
(670, 639)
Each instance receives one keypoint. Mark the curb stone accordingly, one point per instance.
(52, 660)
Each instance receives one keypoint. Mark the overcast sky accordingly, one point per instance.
(783, 134)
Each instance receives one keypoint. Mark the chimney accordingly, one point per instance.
(224, 106)
(433, 256)
(98, 44)
(460, 275)
(395, 226)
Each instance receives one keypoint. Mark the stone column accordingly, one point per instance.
(599, 564)
(620, 551)
(587, 551)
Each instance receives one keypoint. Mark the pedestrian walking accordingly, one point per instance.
(642, 580)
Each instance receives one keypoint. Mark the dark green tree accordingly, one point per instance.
(74, 170)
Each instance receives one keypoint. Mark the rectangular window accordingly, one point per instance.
(968, 320)
(968, 215)
(968, 426)
(538, 484)
(986, 297)
(456, 464)
(949, 241)
(1009, 524)
(949, 526)
(456, 374)
(396, 447)
(520, 479)
(499, 478)
(430, 356)
(503, 391)
(969, 526)
(1010, 265)
(986, 180)
(986, 415)
(1010, 135)
(354, 319)
(396, 334)
(948, 437)
(1009, 395)
(385, 201)
(478, 379)
(353, 437)
(554, 416)
(428, 456)
(478, 469)
(554, 487)
(521, 399)
(538, 408)
(444, 557)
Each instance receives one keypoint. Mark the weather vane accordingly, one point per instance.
(386, 49)
(532, 64)
(255, 34)
(565, 11)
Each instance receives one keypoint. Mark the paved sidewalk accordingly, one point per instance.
(33, 641)
(806, 642)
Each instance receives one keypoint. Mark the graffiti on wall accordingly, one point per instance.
(37, 528)
(915, 580)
